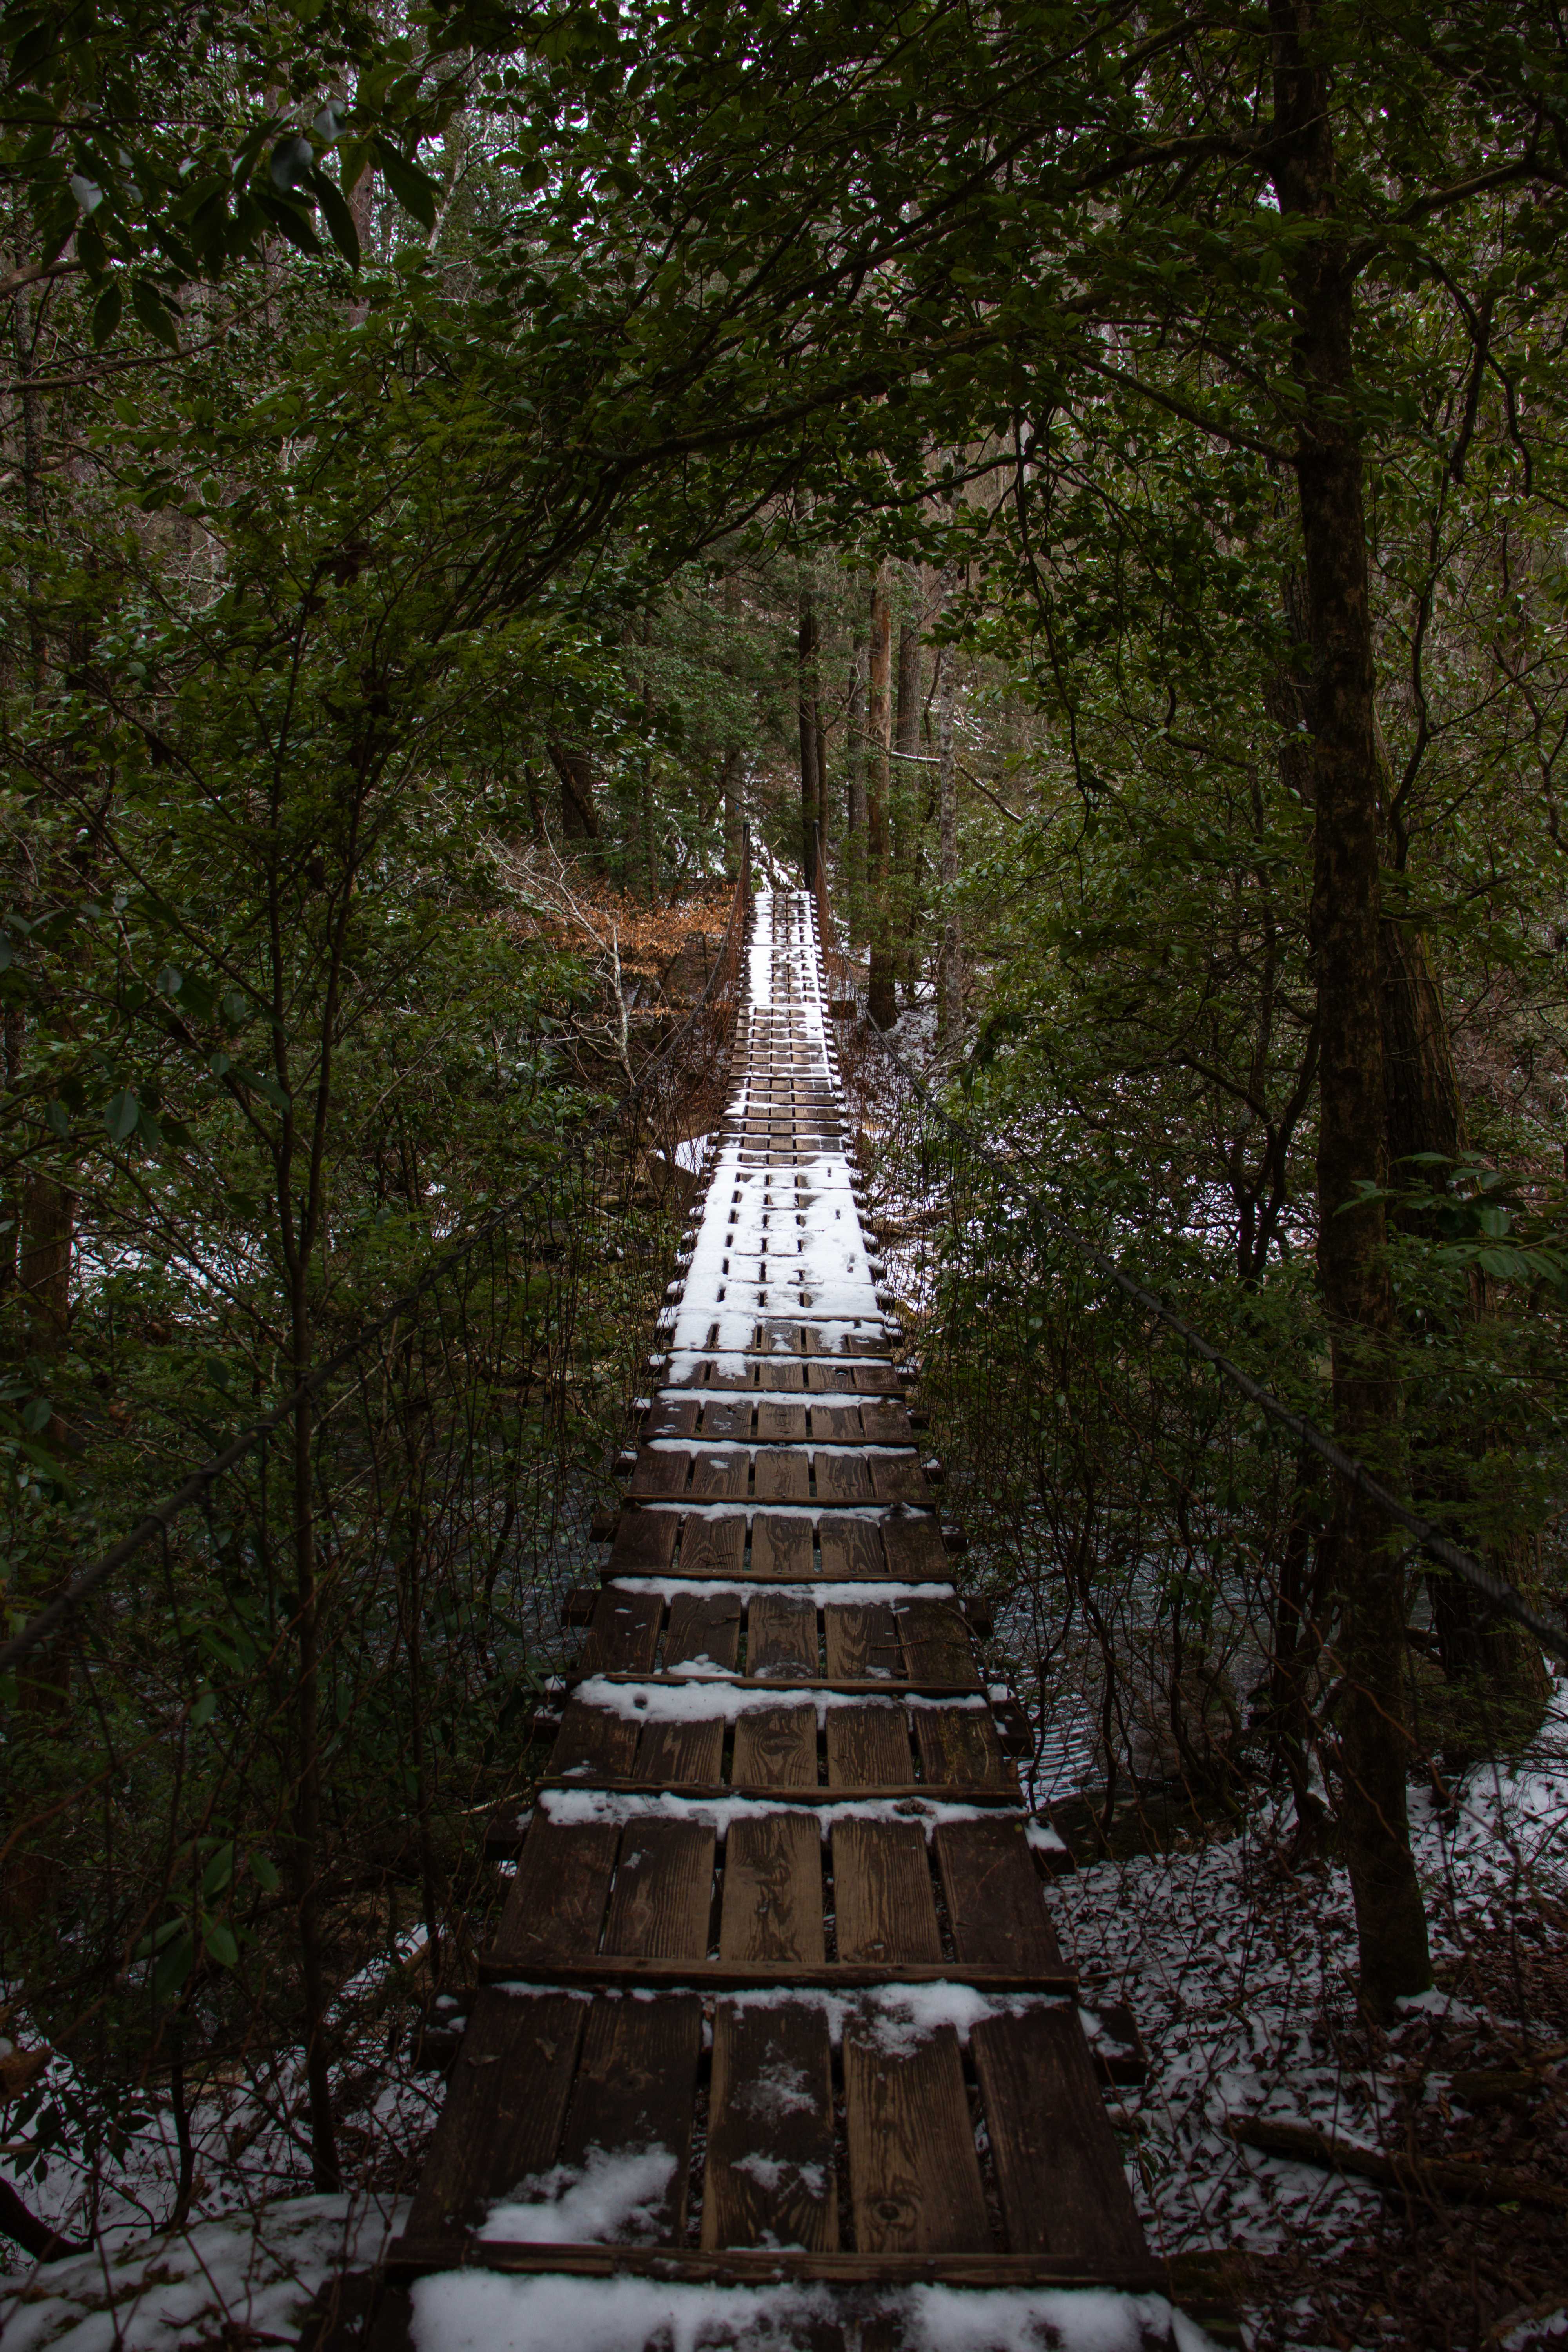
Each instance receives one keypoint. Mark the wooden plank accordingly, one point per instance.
(877, 1379)
(780, 1423)
(887, 1422)
(842, 1478)
(671, 1417)
(591, 1740)
(937, 1643)
(605, 1971)
(637, 2089)
(718, 1477)
(723, 1421)
(703, 1625)
(780, 1635)
(862, 1642)
(868, 1746)
(644, 1541)
(663, 1894)
(994, 1899)
(773, 1890)
(959, 1745)
(1063, 2191)
(914, 1549)
(660, 1473)
(764, 2266)
(555, 1905)
(780, 1546)
(914, 2176)
(882, 1894)
(851, 1549)
(782, 1474)
(624, 1636)
(775, 1748)
(771, 2178)
(713, 1547)
(898, 1478)
(504, 2109)
(669, 1754)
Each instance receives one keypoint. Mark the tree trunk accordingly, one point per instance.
(852, 863)
(908, 777)
(1358, 1296)
(881, 999)
(730, 788)
(1426, 1114)
(810, 737)
(950, 962)
(579, 810)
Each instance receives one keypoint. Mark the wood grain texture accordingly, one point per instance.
(780, 1546)
(842, 1479)
(713, 1547)
(781, 1634)
(914, 1549)
(868, 1746)
(637, 2089)
(773, 1890)
(862, 1642)
(959, 1745)
(672, 1754)
(703, 1625)
(771, 2178)
(660, 1473)
(782, 1474)
(780, 1422)
(937, 1643)
(718, 1477)
(555, 1907)
(624, 1636)
(898, 1478)
(663, 1894)
(851, 1549)
(882, 1893)
(645, 1542)
(775, 1748)
(1064, 2190)
(994, 1899)
(914, 2176)
(504, 2110)
(591, 1739)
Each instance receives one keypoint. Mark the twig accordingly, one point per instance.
(1480, 2184)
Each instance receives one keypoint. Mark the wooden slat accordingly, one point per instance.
(771, 2178)
(842, 1478)
(713, 1547)
(1063, 2191)
(591, 1740)
(898, 1478)
(660, 1473)
(780, 1423)
(886, 1422)
(775, 1748)
(958, 1743)
(764, 2266)
(851, 1548)
(773, 1890)
(663, 1894)
(782, 1474)
(624, 1636)
(504, 2109)
(862, 1642)
(836, 1423)
(724, 1420)
(635, 2089)
(882, 1893)
(555, 1905)
(671, 1417)
(937, 1644)
(718, 1477)
(703, 1625)
(671, 1754)
(780, 1635)
(604, 1971)
(868, 1746)
(780, 1546)
(914, 2176)
(643, 1541)
(915, 1549)
(994, 1899)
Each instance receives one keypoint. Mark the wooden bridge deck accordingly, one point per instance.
(776, 1993)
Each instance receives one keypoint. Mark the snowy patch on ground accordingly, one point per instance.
(245, 2279)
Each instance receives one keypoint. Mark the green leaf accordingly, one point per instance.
(170, 980)
(219, 1942)
(106, 314)
(415, 190)
(174, 1966)
(154, 313)
(121, 1114)
(290, 221)
(55, 1113)
(204, 1710)
(265, 1873)
(340, 220)
(36, 1414)
(219, 1873)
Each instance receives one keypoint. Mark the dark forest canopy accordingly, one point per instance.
(1100, 471)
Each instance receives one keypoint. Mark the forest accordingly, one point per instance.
(488, 490)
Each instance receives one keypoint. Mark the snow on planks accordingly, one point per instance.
(775, 1995)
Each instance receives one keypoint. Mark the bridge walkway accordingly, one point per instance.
(776, 1999)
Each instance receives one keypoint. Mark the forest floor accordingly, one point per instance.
(1240, 1971)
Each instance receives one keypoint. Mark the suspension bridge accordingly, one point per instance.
(776, 2002)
